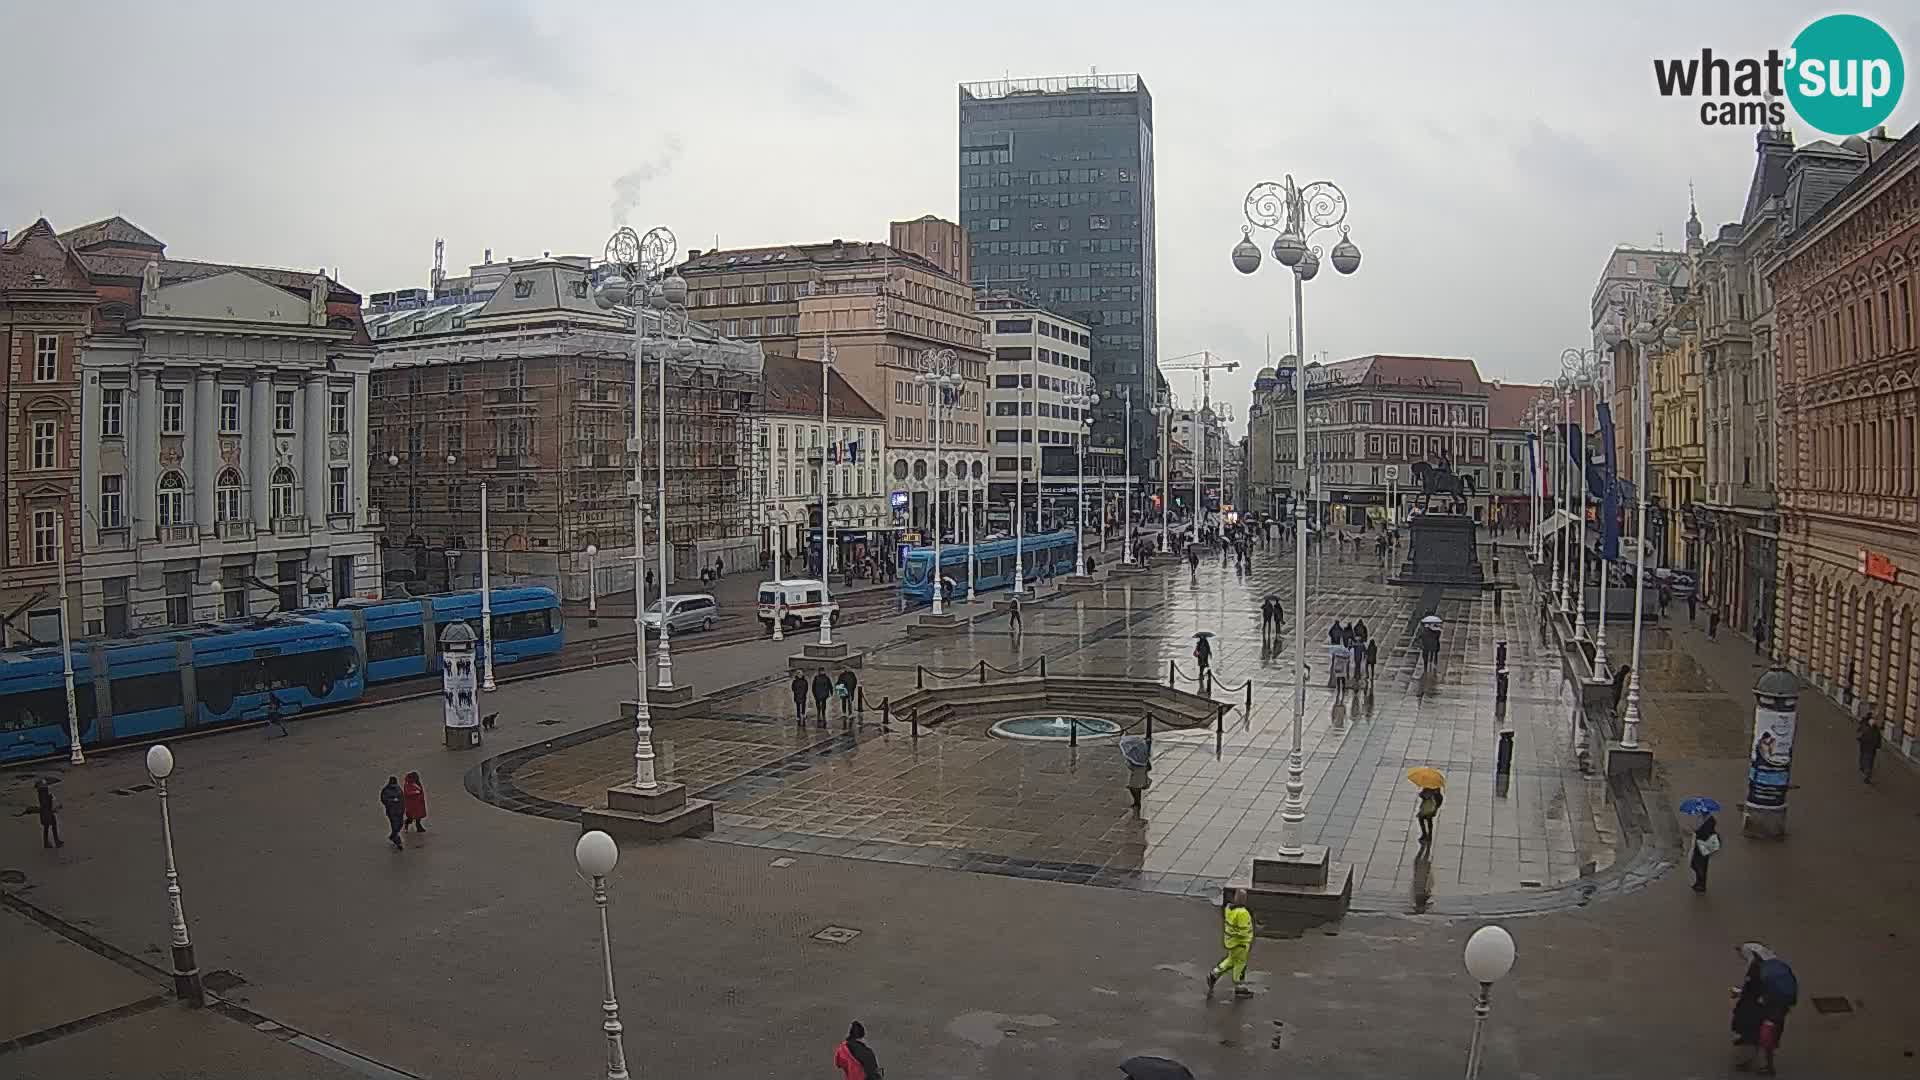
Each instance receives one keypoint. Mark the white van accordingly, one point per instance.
(801, 601)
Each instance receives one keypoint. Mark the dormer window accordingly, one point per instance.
(522, 288)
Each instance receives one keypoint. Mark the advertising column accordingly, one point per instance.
(1770, 757)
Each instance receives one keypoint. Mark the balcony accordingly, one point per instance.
(236, 530)
(180, 534)
(290, 526)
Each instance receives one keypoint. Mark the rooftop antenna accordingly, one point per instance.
(439, 274)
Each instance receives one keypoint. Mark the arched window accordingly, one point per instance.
(280, 491)
(173, 498)
(226, 496)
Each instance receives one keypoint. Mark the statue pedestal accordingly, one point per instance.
(1441, 550)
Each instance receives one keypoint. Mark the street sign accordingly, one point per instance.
(1393, 472)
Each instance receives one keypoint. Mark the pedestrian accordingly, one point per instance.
(394, 803)
(1013, 615)
(799, 688)
(1430, 800)
(1500, 655)
(413, 795)
(1713, 622)
(49, 807)
(1237, 935)
(844, 688)
(1760, 636)
(706, 577)
(854, 1058)
(1706, 844)
(1092, 565)
(1666, 597)
(1359, 652)
(822, 690)
(1139, 779)
(274, 719)
(1266, 617)
(1373, 658)
(719, 568)
(1760, 1010)
(1620, 684)
(1869, 740)
(1692, 602)
(1193, 561)
(649, 595)
(1339, 665)
(1203, 655)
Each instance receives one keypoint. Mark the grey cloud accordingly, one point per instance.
(501, 38)
(628, 185)
(816, 89)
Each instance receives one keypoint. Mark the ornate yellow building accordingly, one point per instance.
(1676, 445)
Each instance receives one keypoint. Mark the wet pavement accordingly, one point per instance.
(959, 798)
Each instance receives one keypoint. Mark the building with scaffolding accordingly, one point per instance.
(513, 378)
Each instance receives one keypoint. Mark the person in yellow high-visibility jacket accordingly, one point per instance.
(1237, 936)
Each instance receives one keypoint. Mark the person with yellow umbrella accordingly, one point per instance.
(1430, 781)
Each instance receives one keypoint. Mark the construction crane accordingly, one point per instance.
(1209, 362)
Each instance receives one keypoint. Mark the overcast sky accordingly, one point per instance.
(1490, 160)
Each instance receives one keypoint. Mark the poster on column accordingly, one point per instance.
(1771, 760)
(458, 688)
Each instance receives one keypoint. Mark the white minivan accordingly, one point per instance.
(799, 602)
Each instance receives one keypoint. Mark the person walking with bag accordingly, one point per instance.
(844, 688)
(394, 803)
(413, 798)
(1706, 844)
(1430, 800)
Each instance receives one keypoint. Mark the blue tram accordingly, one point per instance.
(184, 678)
(1046, 555)
(399, 639)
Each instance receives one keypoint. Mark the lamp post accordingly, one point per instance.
(1609, 337)
(1126, 504)
(939, 372)
(186, 973)
(596, 853)
(1297, 214)
(1020, 487)
(593, 591)
(966, 474)
(486, 599)
(1582, 366)
(1489, 956)
(1082, 402)
(74, 756)
(635, 261)
(827, 356)
(1644, 336)
(1163, 412)
(1202, 428)
(1563, 496)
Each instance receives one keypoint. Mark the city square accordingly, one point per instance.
(741, 543)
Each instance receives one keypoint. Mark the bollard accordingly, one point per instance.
(1073, 732)
(1249, 701)
(1043, 666)
(916, 724)
(1170, 674)
(886, 716)
(983, 673)
(919, 677)
(1149, 731)
(1219, 730)
(1206, 684)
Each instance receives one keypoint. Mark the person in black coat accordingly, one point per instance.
(849, 684)
(49, 815)
(800, 700)
(394, 803)
(822, 690)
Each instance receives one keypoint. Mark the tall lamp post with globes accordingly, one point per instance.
(593, 589)
(1297, 215)
(1489, 956)
(1082, 403)
(186, 971)
(595, 854)
(635, 261)
(1582, 367)
(1125, 396)
(940, 374)
(1644, 336)
(1163, 414)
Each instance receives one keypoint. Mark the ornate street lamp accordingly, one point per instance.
(595, 854)
(1644, 336)
(939, 372)
(1297, 215)
(1082, 402)
(186, 971)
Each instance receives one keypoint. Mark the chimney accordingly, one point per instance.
(3, 236)
(487, 258)
(692, 254)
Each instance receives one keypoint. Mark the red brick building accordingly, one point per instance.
(1845, 283)
(45, 301)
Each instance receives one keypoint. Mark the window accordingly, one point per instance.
(337, 491)
(145, 693)
(113, 609)
(226, 496)
(776, 293)
(396, 644)
(289, 573)
(456, 380)
(233, 592)
(112, 403)
(172, 508)
(179, 593)
(280, 492)
(337, 405)
(1633, 266)
(456, 438)
(46, 358)
(173, 412)
(230, 412)
(283, 410)
(46, 437)
(45, 533)
(112, 508)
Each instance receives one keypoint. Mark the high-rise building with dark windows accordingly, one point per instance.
(1056, 195)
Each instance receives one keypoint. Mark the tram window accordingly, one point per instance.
(523, 624)
(139, 693)
(43, 708)
(395, 644)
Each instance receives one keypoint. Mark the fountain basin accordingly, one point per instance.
(1054, 728)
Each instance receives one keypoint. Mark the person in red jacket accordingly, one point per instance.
(413, 797)
(854, 1058)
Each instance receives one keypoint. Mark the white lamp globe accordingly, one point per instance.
(595, 852)
(1489, 954)
(159, 761)
(613, 291)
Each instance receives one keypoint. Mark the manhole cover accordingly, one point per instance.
(547, 722)
(1832, 1005)
(13, 877)
(837, 935)
(782, 863)
(222, 980)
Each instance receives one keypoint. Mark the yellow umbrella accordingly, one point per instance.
(1427, 777)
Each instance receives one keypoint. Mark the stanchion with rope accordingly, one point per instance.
(1219, 730)
(983, 673)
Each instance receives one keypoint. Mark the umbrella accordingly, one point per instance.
(1155, 1068)
(1203, 634)
(1427, 777)
(1698, 805)
(1778, 980)
(1431, 620)
(1137, 751)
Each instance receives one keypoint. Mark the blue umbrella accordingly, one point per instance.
(1137, 751)
(1777, 977)
(1698, 805)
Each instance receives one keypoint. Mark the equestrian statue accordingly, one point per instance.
(1440, 479)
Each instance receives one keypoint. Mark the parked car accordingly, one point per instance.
(694, 611)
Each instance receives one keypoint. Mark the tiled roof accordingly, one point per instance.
(792, 388)
(784, 255)
(36, 259)
(1507, 404)
(177, 270)
(115, 231)
(1402, 371)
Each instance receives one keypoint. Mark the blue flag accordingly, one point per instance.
(1610, 485)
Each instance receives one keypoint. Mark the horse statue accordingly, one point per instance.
(1442, 480)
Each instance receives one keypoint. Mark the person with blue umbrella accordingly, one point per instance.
(1706, 838)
